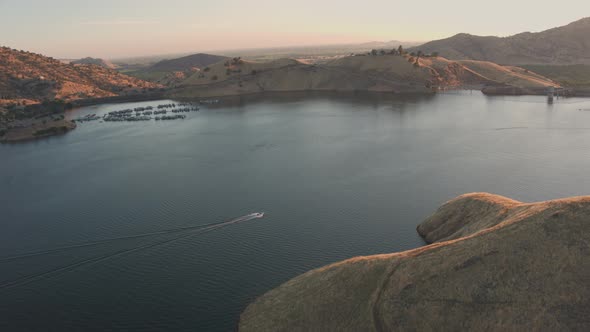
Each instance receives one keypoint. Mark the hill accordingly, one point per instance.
(381, 73)
(170, 72)
(569, 44)
(495, 265)
(576, 76)
(31, 78)
(94, 61)
(189, 62)
(315, 53)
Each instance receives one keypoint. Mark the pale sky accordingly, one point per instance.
(118, 28)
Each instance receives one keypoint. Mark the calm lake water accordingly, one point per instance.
(337, 177)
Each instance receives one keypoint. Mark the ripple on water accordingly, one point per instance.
(337, 177)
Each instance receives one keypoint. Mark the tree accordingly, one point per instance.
(400, 50)
(434, 54)
(419, 55)
(373, 52)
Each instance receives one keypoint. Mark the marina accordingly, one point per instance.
(138, 114)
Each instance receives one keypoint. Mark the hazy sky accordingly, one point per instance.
(115, 28)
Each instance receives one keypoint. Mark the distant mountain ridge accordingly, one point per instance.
(568, 44)
(186, 63)
(171, 72)
(94, 61)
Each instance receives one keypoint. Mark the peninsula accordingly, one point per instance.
(494, 264)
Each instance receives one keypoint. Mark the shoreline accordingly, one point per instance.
(29, 132)
(490, 90)
(516, 91)
(37, 131)
(395, 291)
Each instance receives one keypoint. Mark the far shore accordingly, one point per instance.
(498, 90)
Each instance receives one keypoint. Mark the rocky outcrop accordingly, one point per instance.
(495, 264)
(35, 78)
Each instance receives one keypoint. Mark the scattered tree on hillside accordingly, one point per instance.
(400, 50)
(417, 62)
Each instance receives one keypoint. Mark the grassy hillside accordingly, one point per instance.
(569, 44)
(383, 73)
(170, 72)
(496, 265)
(575, 76)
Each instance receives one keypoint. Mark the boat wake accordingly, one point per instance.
(245, 218)
(198, 230)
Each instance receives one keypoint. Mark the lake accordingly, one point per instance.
(99, 228)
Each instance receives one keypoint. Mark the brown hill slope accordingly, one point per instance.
(34, 77)
(569, 44)
(503, 265)
(383, 73)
